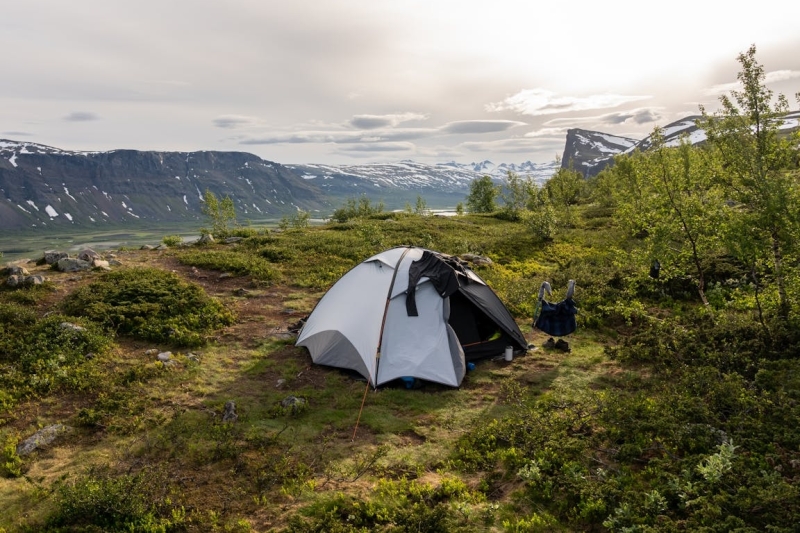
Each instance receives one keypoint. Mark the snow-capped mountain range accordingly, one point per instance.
(42, 186)
(592, 151)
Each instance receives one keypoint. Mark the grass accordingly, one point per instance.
(425, 458)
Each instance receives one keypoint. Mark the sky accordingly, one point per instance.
(363, 81)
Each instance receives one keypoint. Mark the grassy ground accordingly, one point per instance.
(550, 441)
(273, 462)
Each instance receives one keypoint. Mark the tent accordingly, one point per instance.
(409, 312)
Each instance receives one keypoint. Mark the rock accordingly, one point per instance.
(164, 357)
(18, 280)
(241, 292)
(114, 262)
(477, 260)
(225, 275)
(41, 438)
(231, 240)
(297, 326)
(205, 238)
(191, 356)
(229, 413)
(151, 351)
(73, 265)
(33, 280)
(51, 256)
(147, 247)
(88, 255)
(71, 326)
(16, 270)
(293, 403)
(100, 264)
(280, 383)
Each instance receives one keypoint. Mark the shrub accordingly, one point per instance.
(239, 262)
(172, 240)
(102, 501)
(10, 461)
(360, 208)
(150, 304)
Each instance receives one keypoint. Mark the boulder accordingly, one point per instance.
(33, 280)
(231, 240)
(52, 257)
(229, 413)
(72, 265)
(293, 404)
(205, 238)
(477, 260)
(16, 270)
(14, 281)
(88, 255)
(100, 264)
(41, 438)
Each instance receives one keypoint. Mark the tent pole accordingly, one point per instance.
(363, 401)
(380, 338)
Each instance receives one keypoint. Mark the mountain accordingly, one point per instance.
(592, 151)
(45, 187)
(397, 183)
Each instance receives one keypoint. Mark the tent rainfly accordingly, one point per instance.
(409, 312)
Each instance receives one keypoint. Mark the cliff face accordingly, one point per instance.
(589, 152)
(44, 186)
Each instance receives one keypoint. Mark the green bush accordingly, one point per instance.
(356, 208)
(102, 501)
(49, 354)
(172, 240)
(240, 262)
(10, 461)
(401, 505)
(150, 304)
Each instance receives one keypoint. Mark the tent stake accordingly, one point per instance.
(363, 401)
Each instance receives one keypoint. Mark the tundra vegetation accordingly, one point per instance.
(676, 409)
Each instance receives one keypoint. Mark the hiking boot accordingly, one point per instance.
(549, 343)
(562, 345)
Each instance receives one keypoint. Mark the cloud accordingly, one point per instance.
(462, 127)
(372, 133)
(543, 102)
(547, 132)
(770, 77)
(18, 133)
(380, 147)
(233, 121)
(642, 115)
(368, 122)
(81, 116)
(303, 137)
(516, 145)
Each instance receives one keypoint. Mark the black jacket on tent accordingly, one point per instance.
(482, 323)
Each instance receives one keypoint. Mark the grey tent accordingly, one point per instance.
(409, 312)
